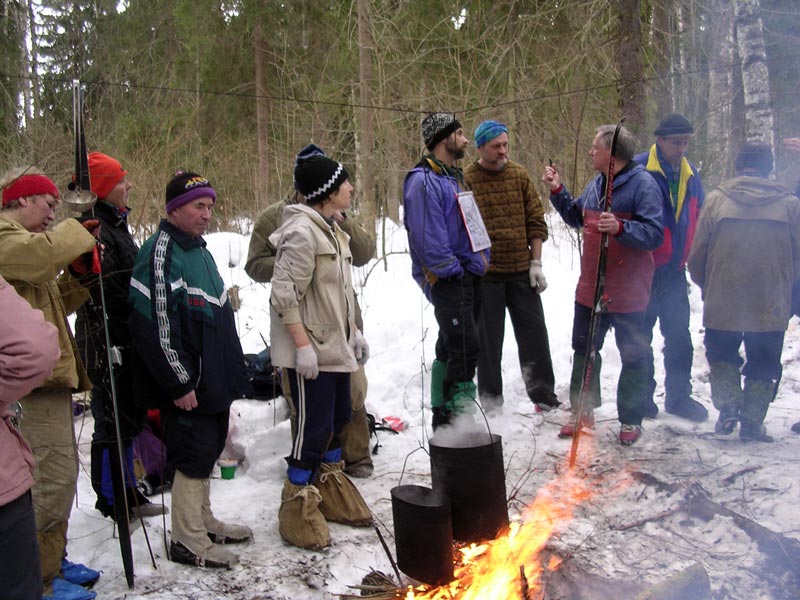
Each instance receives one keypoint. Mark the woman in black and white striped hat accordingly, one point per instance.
(314, 336)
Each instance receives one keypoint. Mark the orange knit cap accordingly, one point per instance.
(104, 173)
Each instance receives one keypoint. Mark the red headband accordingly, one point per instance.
(28, 185)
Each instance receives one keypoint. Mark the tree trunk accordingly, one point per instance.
(755, 75)
(32, 57)
(662, 62)
(720, 121)
(262, 165)
(630, 61)
(365, 190)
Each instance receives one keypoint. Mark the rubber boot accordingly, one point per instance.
(726, 395)
(341, 500)
(190, 544)
(631, 395)
(461, 398)
(300, 521)
(219, 532)
(592, 398)
(438, 373)
(758, 393)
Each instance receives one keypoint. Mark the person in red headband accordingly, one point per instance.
(32, 198)
(31, 257)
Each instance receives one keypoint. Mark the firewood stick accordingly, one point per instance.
(523, 583)
(389, 555)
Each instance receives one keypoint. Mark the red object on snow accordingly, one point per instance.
(395, 423)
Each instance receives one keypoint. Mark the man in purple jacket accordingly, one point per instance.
(447, 263)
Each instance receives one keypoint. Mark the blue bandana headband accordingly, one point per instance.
(487, 131)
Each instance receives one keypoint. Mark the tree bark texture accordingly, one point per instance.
(630, 61)
(365, 188)
(755, 75)
(721, 92)
(262, 168)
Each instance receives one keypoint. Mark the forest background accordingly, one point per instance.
(234, 88)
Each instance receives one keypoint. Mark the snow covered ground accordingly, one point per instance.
(614, 534)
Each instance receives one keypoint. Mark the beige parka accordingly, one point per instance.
(312, 285)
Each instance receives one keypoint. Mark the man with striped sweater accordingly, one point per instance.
(514, 218)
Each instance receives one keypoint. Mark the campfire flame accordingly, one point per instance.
(492, 569)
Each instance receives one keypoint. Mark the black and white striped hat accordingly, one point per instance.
(437, 126)
(317, 177)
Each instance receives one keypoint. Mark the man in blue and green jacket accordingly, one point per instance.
(682, 197)
(188, 362)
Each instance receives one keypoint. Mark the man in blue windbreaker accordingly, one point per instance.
(634, 227)
(446, 262)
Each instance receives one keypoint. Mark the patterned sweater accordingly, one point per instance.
(512, 211)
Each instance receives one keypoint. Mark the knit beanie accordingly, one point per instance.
(185, 187)
(487, 131)
(674, 124)
(317, 177)
(437, 126)
(756, 157)
(104, 173)
(307, 152)
(28, 185)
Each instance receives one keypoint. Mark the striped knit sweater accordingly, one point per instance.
(512, 211)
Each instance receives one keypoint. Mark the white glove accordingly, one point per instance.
(361, 348)
(536, 274)
(306, 362)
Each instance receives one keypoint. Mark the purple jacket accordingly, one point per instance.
(28, 352)
(437, 236)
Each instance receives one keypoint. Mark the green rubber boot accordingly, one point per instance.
(632, 391)
(461, 399)
(592, 399)
(438, 372)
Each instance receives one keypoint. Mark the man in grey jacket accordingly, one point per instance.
(746, 288)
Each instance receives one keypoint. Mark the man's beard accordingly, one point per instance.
(458, 153)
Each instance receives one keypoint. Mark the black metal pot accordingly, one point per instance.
(423, 534)
(469, 470)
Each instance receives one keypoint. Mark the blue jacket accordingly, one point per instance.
(680, 222)
(437, 236)
(636, 202)
(182, 326)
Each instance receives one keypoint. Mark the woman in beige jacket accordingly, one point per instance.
(314, 336)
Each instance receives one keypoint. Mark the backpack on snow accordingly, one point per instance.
(265, 383)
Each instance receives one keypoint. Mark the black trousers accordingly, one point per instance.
(194, 441)
(20, 570)
(533, 346)
(456, 304)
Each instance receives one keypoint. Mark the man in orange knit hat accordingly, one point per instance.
(108, 181)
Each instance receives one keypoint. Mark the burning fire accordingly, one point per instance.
(492, 569)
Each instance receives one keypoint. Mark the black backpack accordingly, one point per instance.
(265, 383)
